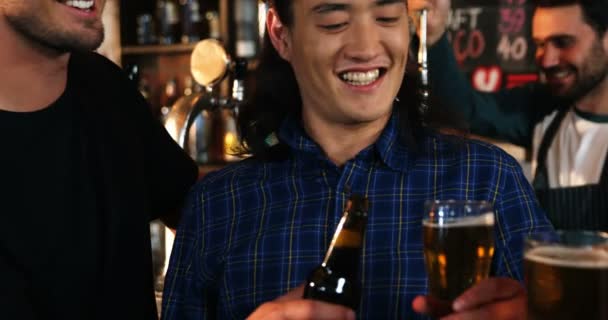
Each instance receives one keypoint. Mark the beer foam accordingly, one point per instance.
(486, 219)
(569, 257)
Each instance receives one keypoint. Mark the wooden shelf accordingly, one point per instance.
(158, 49)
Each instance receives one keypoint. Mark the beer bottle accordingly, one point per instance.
(167, 13)
(192, 21)
(336, 280)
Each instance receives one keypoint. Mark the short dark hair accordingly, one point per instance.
(276, 96)
(595, 12)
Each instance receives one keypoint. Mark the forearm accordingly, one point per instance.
(506, 115)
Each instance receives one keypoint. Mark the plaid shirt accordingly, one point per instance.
(254, 230)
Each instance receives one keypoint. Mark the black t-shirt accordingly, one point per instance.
(49, 243)
(81, 179)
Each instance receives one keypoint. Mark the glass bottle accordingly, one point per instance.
(167, 13)
(336, 280)
(192, 21)
(246, 28)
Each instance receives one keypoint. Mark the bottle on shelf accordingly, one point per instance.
(167, 13)
(336, 280)
(146, 29)
(213, 22)
(168, 97)
(246, 23)
(192, 21)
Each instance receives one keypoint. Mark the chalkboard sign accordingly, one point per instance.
(492, 41)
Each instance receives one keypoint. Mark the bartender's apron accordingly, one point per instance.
(581, 207)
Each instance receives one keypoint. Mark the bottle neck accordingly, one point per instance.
(344, 252)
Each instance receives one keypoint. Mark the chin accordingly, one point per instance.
(369, 117)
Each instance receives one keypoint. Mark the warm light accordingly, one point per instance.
(443, 261)
(262, 9)
(443, 274)
(229, 140)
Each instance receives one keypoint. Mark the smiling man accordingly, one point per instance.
(563, 119)
(331, 116)
(84, 168)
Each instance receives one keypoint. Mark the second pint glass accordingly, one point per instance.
(567, 275)
(458, 245)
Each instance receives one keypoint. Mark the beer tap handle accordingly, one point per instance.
(423, 67)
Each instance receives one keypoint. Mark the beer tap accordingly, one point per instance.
(213, 116)
(423, 67)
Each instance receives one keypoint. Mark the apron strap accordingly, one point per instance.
(541, 180)
(604, 175)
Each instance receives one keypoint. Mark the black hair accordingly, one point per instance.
(595, 12)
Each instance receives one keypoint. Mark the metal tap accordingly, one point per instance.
(423, 67)
(212, 117)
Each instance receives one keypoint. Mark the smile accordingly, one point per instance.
(558, 73)
(80, 4)
(362, 78)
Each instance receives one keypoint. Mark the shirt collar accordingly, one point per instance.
(389, 147)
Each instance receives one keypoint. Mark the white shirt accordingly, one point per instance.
(577, 153)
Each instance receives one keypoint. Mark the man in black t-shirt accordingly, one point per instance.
(84, 167)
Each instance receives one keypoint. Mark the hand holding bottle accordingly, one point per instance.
(292, 306)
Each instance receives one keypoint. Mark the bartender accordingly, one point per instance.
(563, 118)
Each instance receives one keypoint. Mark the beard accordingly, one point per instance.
(54, 37)
(589, 75)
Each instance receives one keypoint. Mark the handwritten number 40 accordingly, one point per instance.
(512, 50)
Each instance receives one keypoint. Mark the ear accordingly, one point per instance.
(279, 34)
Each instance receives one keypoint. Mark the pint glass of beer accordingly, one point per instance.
(458, 245)
(566, 275)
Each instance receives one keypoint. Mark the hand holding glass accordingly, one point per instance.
(458, 245)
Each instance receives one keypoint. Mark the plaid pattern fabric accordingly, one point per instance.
(253, 231)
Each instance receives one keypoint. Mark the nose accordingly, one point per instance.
(364, 42)
(547, 55)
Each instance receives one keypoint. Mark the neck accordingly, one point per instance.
(342, 142)
(33, 76)
(596, 101)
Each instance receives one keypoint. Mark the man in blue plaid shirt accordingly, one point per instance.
(330, 117)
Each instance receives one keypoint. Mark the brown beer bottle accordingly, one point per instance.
(336, 280)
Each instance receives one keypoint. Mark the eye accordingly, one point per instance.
(333, 26)
(563, 42)
(388, 20)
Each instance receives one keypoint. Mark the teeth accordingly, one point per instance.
(80, 4)
(558, 73)
(361, 78)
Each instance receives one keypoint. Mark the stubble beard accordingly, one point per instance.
(53, 37)
(593, 72)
